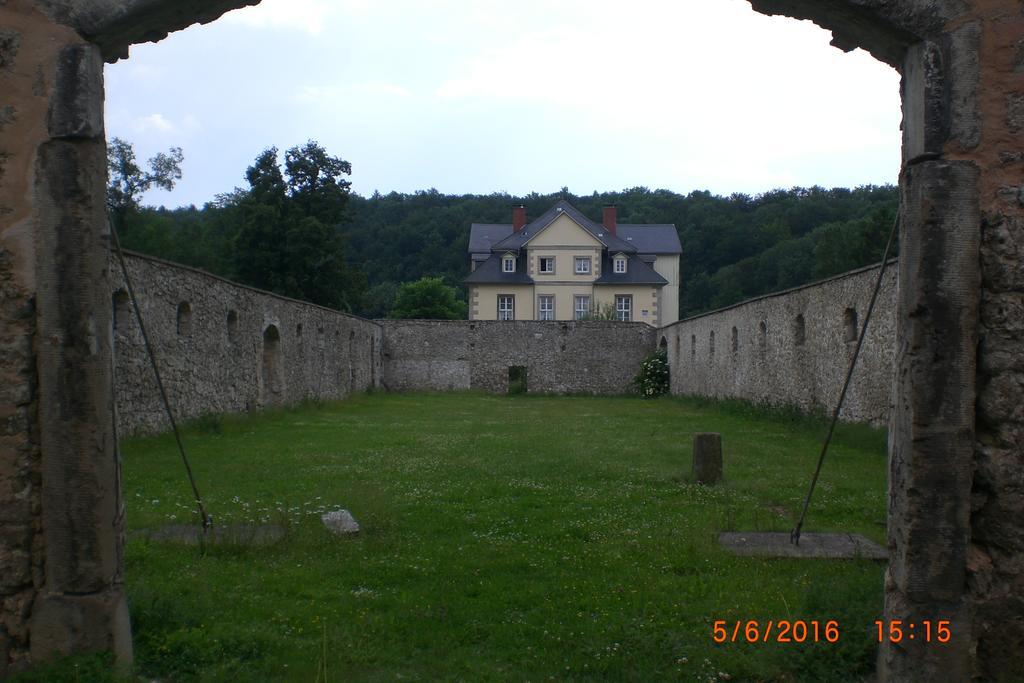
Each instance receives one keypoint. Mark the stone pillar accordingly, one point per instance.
(707, 458)
(60, 513)
(956, 492)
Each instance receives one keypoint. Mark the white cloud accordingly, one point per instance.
(330, 94)
(310, 16)
(154, 123)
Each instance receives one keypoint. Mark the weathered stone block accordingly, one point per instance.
(939, 294)
(62, 625)
(7, 116)
(999, 398)
(707, 458)
(1002, 253)
(15, 569)
(1015, 112)
(74, 368)
(10, 42)
(963, 76)
(76, 110)
(340, 522)
(925, 102)
(15, 497)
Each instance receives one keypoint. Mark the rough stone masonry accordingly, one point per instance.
(956, 491)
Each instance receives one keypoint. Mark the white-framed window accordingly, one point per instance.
(583, 265)
(623, 307)
(620, 264)
(547, 265)
(508, 264)
(506, 307)
(546, 307)
(581, 306)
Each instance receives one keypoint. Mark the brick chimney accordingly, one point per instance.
(518, 218)
(610, 220)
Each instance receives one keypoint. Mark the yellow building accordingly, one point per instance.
(564, 266)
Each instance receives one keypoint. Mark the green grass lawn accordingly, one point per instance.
(503, 538)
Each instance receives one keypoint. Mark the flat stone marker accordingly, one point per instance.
(707, 458)
(777, 544)
(340, 522)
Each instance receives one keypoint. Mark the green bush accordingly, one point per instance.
(652, 380)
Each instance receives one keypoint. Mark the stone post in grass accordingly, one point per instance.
(707, 458)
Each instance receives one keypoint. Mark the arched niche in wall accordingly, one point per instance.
(850, 325)
(122, 311)
(232, 326)
(799, 330)
(271, 370)
(184, 319)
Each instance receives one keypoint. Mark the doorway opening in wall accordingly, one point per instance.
(517, 379)
(271, 384)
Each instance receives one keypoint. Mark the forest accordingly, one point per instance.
(734, 247)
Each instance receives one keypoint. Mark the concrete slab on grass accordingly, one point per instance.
(231, 534)
(778, 544)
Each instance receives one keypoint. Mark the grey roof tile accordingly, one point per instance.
(483, 236)
(489, 272)
(651, 239)
(637, 273)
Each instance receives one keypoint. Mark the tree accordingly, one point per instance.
(288, 238)
(127, 182)
(428, 298)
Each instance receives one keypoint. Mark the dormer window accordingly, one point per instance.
(508, 264)
(620, 264)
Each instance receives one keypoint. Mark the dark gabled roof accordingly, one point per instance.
(629, 238)
(651, 239)
(489, 272)
(637, 273)
(516, 240)
(483, 236)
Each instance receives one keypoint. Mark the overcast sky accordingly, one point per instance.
(532, 95)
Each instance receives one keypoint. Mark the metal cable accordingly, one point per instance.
(794, 536)
(207, 521)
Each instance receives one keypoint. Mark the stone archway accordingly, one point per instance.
(955, 513)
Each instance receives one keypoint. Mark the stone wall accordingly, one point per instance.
(590, 357)
(793, 348)
(225, 348)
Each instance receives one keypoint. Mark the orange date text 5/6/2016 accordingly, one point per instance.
(925, 630)
(771, 631)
